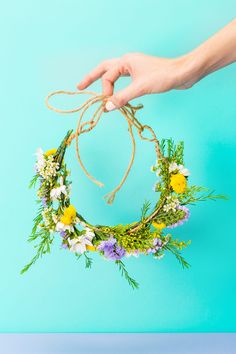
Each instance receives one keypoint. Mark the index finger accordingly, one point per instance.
(92, 76)
(96, 73)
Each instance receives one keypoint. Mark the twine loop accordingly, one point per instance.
(128, 112)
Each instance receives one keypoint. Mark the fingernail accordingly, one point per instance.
(79, 85)
(110, 106)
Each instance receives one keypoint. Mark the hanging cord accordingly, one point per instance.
(128, 112)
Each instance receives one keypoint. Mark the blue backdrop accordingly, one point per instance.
(48, 45)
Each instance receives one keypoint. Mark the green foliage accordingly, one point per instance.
(42, 248)
(33, 181)
(195, 194)
(145, 209)
(59, 155)
(163, 185)
(126, 275)
(88, 261)
(170, 148)
(170, 218)
(177, 254)
(173, 152)
(163, 146)
(36, 222)
(178, 155)
(140, 240)
(137, 236)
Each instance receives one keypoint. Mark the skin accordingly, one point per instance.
(150, 74)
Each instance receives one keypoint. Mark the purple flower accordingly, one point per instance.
(63, 234)
(185, 218)
(44, 202)
(157, 244)
(64, 245)
(151, 250)
(104, 245)
(111, 249)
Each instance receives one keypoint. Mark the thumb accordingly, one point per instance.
(122, 97)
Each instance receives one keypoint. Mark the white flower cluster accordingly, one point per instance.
(57, 192)
(174, 167)
(155, 169)
(78, 244)
(47, 168)
(172, 204)
(48, 218)
(62, 227)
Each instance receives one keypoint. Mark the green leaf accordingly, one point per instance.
(33, 181)
(125, 274)
(42, 248)
(145, 209)
(178, 256)
(88, 261)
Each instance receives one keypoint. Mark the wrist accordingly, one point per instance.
(192, 67)
(212, 55)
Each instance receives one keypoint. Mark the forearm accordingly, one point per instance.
(151, 74)
(215, 53)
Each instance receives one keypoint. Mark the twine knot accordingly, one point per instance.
(128, 112)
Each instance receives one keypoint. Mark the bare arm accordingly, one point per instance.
(151, 74)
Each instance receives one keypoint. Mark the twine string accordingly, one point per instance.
(128, 112)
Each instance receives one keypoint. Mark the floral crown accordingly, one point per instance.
(150, 235)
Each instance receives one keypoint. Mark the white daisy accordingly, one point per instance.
(184, 171)
(55, 193)
(173, 167)
(62, 227)
(180, 168)
(78, 244)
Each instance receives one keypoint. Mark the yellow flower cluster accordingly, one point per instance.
(178, 183)
(159, 226)
(68, 215)
(90, 248)
(50, 152)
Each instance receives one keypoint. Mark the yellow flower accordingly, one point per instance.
(66, 220)
(159, 226)
(70, 211)
(156, 235)
(90, 248)
(50, 152)
(178, 183)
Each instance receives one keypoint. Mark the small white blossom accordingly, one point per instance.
(79, 244)
(62, 227)
(180, 168)
(173, 167)
(55, 193)
(89, 233)
(184, 171)
(160, 256)
(131, 254)
(48, 219)
(47, 168)
(40, 159)
(171, 204)
(55, 218)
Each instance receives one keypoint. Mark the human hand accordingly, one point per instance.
(155, 75)
(149, 74)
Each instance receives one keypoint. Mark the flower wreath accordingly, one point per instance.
(150, 235)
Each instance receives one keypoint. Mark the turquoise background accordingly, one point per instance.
(50, 45)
